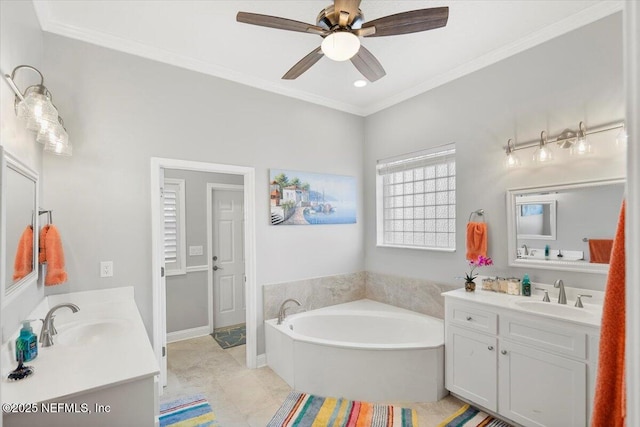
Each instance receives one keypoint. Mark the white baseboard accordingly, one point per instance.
(187, 333)
(261, 361)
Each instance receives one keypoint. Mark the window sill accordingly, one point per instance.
(420, 248)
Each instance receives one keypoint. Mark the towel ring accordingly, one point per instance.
(50, 215)
(479, 212)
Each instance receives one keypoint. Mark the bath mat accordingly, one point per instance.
(189, 411)
(468, 416)
(301, 409)
(232, 336)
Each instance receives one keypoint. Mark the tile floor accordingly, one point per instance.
(242, 397)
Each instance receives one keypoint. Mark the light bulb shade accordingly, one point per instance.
(59, 149)
(543, 154)
(581, 147)
(512, 161)
(340, 45)
(53, 134)
(36, 109)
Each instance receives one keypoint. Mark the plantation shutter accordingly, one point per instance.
(174, 227)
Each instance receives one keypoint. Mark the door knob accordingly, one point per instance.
(216, 268)
(504, 352)
(490, 347)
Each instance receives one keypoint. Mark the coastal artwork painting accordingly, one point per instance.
(303, 198)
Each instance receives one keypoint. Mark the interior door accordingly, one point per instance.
(228, 258)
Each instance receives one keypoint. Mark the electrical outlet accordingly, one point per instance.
(195, 250)
(106, 269)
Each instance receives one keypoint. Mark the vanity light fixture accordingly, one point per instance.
(513, 161)
(576, 141)
(35, 107)
(543, 154)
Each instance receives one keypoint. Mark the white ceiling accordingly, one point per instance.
(204, 36)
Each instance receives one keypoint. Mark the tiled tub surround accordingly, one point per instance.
(417, 295)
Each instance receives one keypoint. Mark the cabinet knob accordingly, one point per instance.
(503, 351)
(468, 317)
(490, 347)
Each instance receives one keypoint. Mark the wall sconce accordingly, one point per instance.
(34, 106)
(513, 161)
(576, 141)
(543, 153)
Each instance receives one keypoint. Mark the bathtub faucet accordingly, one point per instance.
(282, 312)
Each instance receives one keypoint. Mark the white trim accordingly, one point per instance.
(584, 17)
(262, 360)
(159, 293)
(631, 30)
(210, 187)
(186, 334)
(197, 268)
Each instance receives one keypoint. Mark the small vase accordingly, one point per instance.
(470, 286)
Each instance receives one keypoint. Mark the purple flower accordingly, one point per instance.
(480, 262)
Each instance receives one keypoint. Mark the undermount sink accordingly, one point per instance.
(89, 332)
(566, 311)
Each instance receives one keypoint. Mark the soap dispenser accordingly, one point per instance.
(526, 286)
(27, 343)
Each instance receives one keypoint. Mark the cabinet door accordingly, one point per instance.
(541, 389)
(471, 367)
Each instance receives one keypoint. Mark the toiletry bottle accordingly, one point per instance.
(27, 343)
(526, 286)
(546, 251)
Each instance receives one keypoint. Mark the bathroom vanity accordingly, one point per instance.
(101, 370)
(529, 361)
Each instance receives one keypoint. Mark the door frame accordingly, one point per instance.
(211, 187)
(159, 293)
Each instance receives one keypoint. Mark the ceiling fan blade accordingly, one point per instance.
(279, 23)
(368, 65)
(409, 22)
(304, 64)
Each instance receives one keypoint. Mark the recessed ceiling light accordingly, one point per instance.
(360, 83)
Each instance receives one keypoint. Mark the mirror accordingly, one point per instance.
(19, 225)
(564, 227)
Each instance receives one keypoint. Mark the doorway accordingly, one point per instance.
(158, 278)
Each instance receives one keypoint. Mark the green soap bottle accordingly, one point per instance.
(526, 286)
(27, 343)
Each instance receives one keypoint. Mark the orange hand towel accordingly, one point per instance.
(23, 263)
(609, 402)
(600, 250)
(476, 240)
(54, 257)
(42, 254)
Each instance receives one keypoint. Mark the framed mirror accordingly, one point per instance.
(18, 226)
(564, 227)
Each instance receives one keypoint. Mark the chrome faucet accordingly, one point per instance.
(48, 330)
(562, 296)
(282, 312)
(526, 249)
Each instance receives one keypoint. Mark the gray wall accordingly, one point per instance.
(20, 44)
(187, 294)
(123, 110)
(575, 77)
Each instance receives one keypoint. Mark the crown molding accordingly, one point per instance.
(582, 18)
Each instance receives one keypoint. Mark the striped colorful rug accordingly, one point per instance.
(190, 411)
(468, 416)
(301, 409)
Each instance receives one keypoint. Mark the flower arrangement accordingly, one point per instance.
(470, 277)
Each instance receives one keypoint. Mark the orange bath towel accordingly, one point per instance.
(609, 402)
(51, 253)
(476, 240)
(600, 250)
(23, 264)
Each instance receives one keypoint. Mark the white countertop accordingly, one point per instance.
(590, 315)
(68, 368)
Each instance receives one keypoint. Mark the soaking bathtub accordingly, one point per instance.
(361, 350)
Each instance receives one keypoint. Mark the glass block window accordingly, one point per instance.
(416, 200)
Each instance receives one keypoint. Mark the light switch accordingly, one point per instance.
(195, 250)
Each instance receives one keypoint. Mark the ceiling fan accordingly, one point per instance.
(341, 25)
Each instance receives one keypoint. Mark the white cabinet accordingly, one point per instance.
(532, 370)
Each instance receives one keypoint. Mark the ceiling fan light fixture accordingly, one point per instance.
(340, 45)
